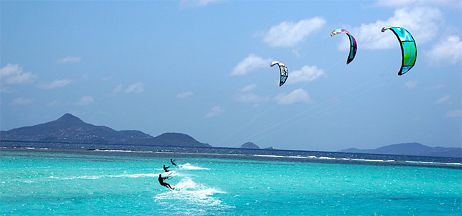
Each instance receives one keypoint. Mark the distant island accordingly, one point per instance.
(250, 145)
(71, 129)
(70, 132)
(415, 149)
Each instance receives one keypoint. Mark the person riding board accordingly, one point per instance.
(166, 168)
(165, 184)
(173, 162)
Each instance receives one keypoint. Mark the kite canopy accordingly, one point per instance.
(284, 72)
(408, 48)
(353, 44)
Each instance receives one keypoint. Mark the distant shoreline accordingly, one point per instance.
(258, 154)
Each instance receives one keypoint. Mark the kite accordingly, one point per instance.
(353, 44)
(408, 48)
(284, 72)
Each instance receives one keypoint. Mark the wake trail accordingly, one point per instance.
(124, 175)
(190, 197)
(188, 166)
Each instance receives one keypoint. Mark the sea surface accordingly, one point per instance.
(112, 183)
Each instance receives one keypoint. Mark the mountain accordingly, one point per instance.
(178, 139)
(250, 145)
(71, 129)
(411, 149)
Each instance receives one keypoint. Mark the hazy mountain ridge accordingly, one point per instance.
(72, 129)
(250, 145)
(416, 149)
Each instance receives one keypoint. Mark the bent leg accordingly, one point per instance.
(167, 185)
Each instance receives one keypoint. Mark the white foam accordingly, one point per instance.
(325, 158)
(120, 150)
(188, 166)
(137, 175)
(190, 193)
(28, 181)
(297, 156)
(434, 163)
(270, 156)
(76, 177)
(457, 164)
(93, 177)
(112, 150)
(370, 160)
(360, 160)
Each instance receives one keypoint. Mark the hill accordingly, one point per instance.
(250, 145)
(411, 149)
(71, 129)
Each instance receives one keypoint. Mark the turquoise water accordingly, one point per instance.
(39, 183)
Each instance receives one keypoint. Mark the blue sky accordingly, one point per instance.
(202, 68)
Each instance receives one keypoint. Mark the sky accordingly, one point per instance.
(202, 67)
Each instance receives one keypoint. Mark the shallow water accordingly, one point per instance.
(38, 183)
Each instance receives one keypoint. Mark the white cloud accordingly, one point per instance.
(197, 3)
(86, 100)
(248, 88)
(410, 84)
(13, 74)
(20, 101)
(215, 111)
(20, 78)
(118, 89)
(444, 99)
(10, 70)
(246, 95)
(423, 23)
(252, 98)
(305, 74)
(250, 63)
(448, 50)
(296, 96)
(69, 59)
(135, 88)
(454, 113)
(289, 34)
(185, 94)
(404, 3)
(55, 84)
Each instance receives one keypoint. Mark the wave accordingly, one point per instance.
(188, 166)
(362, 160)
(93, 177)
(122, 151)
(434, 163)
(271, 156)
(191, 197)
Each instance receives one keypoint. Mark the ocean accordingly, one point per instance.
(125, 183)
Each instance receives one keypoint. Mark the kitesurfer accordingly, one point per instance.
(166, 168)
(173, 162)
(165, 184)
